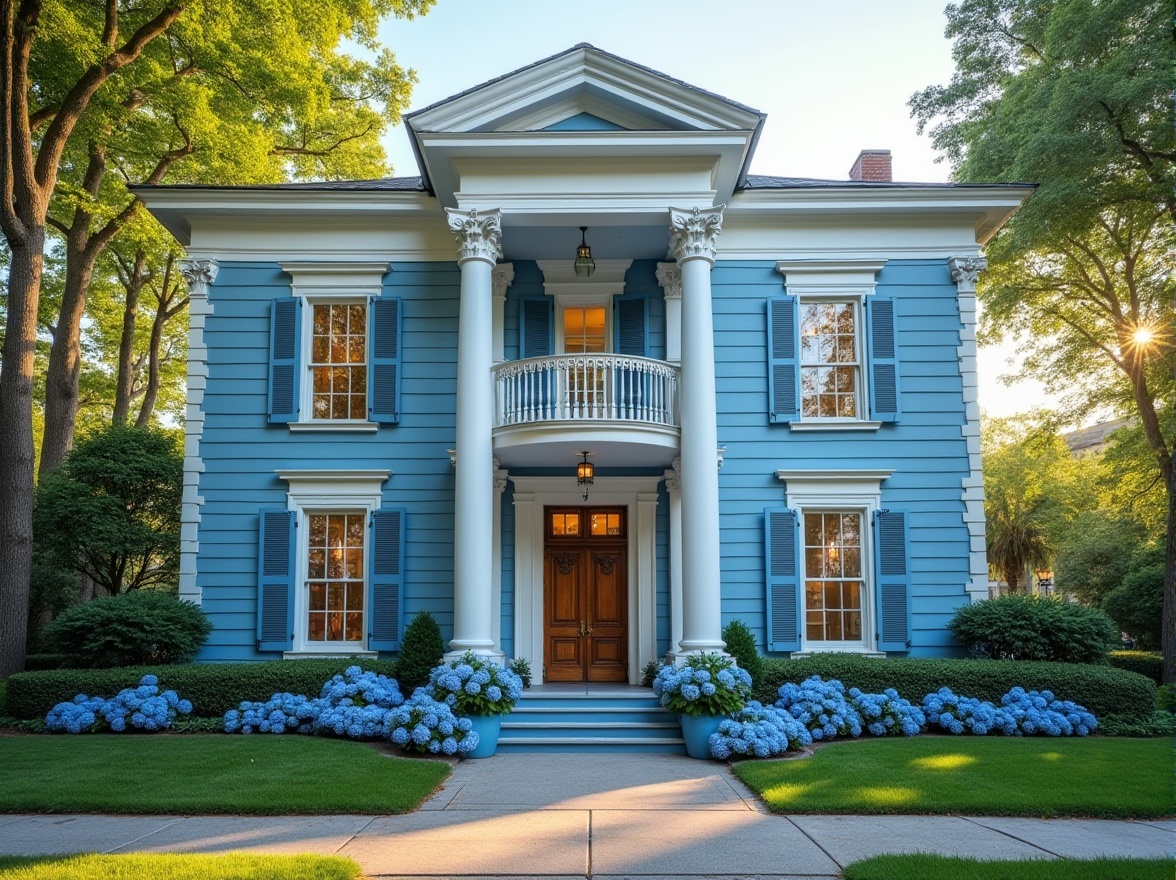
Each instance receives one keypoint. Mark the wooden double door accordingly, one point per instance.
(585, 594)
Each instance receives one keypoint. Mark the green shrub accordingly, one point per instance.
(1101, 689)
(421, 650)
(130, 629)
(213, 688)
(1149, 663)
(1160, 723)
(649, 672)
(741, 646)
(1137, 605)
(521, 667)
(1034, 628)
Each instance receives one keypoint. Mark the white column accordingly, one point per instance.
(479, 239)
(674, 490)
(200, 274)
(965, 272)
(692, 244)
(502, 277)
(669, 276)
(500, 479)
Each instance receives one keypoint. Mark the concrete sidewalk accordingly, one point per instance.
(593, 815)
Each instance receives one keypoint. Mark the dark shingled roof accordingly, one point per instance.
(383, 184)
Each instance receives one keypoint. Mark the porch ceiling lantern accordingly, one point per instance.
(584, 264)
(585, 473)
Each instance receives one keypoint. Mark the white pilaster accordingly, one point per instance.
(669, 276)
(200, 275)
(674, 490)
(479, 239)
(501, 477)
(502, 277)
(965, 271)
(693, 236)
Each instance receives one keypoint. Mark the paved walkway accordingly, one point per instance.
(530, 816)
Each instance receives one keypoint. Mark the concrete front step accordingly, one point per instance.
(613, 720)
(597, 744)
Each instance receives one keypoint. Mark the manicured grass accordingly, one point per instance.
(927, 867)
(992, 776)
(261, 775)
(234, 866)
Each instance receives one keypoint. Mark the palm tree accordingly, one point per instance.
(1015, 539)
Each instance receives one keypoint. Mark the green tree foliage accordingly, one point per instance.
(1096, 556)
(1035, 628)
(1076, 95)
(1137, 604)
(112, 511)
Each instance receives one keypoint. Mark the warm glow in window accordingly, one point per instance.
(338, 361)
(335, 577)
(567, 524)
(833, 577)
(829, 360)
(605, 523)
(584, 329)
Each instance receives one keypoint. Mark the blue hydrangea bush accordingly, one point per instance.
(1020, 713)
(423, 724)
(706, 684)
(822, 707)
(140, 708)
(887, 714)
(759, 731)
(955, 714)
(471, 685)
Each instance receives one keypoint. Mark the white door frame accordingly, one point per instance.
(639, 495)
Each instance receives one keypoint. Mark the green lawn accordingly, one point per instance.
(234, 866)
(927, 867)
(993, 776)
(265, 775)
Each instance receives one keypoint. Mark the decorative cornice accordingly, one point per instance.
(965, 272)
(695, 233)
(669, 277)
(200, 275)
(501, 278)
(479, 236)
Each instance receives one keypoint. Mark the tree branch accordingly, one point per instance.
(326, 151)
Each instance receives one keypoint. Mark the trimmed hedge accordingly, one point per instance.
(1149, 663)
(213, 688)
(1103, 690)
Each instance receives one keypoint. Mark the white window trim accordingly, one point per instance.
(325, 282)
(600, 289)
(839, 281)
(328, 491)
(836, 491)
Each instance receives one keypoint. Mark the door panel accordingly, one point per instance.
(563, 601)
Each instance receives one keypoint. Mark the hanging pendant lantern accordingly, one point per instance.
(584, 265)
(585, 472)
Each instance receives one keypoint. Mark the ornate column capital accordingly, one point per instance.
(669, 276)
(479, 236)
(965, 271)
(501, 476)
(501, 278)
(694, 233)
(200, 274)
(673, 476)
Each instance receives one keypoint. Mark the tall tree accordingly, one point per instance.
(1075, 95)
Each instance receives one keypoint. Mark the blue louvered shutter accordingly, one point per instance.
(386, 579)
(630, 314)
(783, 361)
(891, 580)
(535, 327)
(285, 320)
(275, 580)
(883, 360)
(782, 569)
(384, 347)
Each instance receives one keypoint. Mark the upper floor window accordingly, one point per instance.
(584, 329)
(829, 361)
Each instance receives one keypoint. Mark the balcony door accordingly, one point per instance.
(585, 594)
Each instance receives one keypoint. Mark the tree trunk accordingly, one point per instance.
(125, 379)
(1168, 626)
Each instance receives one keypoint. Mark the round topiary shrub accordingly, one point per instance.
(131, 629)
(1035, 628)
(741, 646)
(420, 650)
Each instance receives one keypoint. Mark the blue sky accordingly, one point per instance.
(833, 77)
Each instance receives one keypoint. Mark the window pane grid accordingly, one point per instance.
(335, 577)
(338, 364)
(833, 576)
(829, 363)
(584, 330)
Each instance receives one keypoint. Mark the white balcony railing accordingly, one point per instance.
(595, 387)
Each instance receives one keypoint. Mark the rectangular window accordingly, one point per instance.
(335, 577)
(829, 360)
(338, 361)
(584, 330)
(833, 584)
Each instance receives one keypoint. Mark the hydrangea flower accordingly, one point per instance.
(422, 724)
(821, 706)
(759, 731)
(1021, 713)
(887, 714)
(473, 685)
(144, 707)
(706, 684)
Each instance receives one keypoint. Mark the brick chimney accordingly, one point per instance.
(872, 166)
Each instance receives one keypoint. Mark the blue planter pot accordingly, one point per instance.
(697, 730)
(487, 727)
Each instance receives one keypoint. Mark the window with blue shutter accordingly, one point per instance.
(275, 580)
(384, 381)
(782, 574)
(883, 359)
(386, 579)
(285, 340)
(891, 581)
(536, 333)
(783, 362)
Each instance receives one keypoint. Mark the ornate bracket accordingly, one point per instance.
(606, 562)
(566, 562)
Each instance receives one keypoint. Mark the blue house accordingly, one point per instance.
(586, 389)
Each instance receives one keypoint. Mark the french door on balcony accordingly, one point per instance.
(585, 594)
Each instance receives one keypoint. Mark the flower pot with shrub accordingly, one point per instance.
(703, 691)
(480, 690)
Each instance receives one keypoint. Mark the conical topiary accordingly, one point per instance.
(420, 651)
(741, 646)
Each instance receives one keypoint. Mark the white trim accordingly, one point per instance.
(845, 477)
(835, 425)
(322, 486)
(330, 279)
(341, 296)
(335, 426)
(639, 495)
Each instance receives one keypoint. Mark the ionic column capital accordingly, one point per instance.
(200, 274)
(669, 277)
(695, 233)
(479, 236)
(965, 272)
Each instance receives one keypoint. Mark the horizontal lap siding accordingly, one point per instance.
(925, 448)
(241, 450)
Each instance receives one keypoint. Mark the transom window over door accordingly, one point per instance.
(338, 364)
(335, 577)
(829, 362)
(833, 583)
(584, 330)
